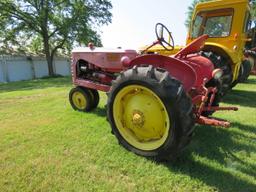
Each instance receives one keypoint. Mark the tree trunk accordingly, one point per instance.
(49, 59)
(46, 37)
(50, 66)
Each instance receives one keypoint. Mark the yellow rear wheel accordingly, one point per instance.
(141, 117)
(150, 113)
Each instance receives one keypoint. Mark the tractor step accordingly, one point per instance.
(213, 121)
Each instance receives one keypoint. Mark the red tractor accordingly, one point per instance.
(154, 101)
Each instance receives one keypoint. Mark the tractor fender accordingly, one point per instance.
(233, 56)
(223, 50)
(203, 67)
(177, 68)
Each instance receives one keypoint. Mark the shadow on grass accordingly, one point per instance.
(100, 111)
(219, 180)
(219, 162)
(35, 84)
(250, 81)
(241, 97)
(245, 128)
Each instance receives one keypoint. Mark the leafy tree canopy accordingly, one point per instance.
(191, 10)
(46, 26)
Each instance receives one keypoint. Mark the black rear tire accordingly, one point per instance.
(224, 84)
(177, 103)
(245, 71)
(222, 63)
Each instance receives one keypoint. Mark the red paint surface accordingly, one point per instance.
(194, 47)
(177, 68)
(92, 85)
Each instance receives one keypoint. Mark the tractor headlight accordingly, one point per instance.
(125, 60)
(217, 73)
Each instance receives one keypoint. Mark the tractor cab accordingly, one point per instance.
(226, 22)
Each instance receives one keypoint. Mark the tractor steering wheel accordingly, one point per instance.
(161, 32)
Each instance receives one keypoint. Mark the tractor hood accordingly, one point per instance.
(107, 59)
(102, 50)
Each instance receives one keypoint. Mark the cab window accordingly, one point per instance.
(218, 26)
(215, 23)
(196, 26)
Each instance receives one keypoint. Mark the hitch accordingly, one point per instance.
(213, 122)
(220, 109)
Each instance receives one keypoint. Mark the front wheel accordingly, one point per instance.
(150, 113)
(81, 99)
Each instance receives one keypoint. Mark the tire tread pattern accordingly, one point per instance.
(175, 99)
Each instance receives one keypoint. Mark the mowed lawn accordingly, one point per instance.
(47, 146)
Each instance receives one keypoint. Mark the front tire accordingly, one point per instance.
(81, 99)
(96, 98)
(150, 113)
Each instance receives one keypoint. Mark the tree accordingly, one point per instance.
(51, 25)
(191, 10)
(253, 9)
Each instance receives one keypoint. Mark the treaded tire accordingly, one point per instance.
(177, 104)
(224, 85)
(87, 96)
(246, 69)
(222, 63)
(95, 98)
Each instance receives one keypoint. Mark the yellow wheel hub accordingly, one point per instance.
(79, 100)
(138, 118)
(141, 117)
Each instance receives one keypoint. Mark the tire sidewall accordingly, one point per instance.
(171, 141)
(86, 95)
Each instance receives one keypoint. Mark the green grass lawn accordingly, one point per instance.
(46, 146)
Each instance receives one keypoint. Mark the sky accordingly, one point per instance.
(133, 22)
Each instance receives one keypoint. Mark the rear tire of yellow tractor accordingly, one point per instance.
(245, 70)
(221, 62)
(224, 84)
(150, 113)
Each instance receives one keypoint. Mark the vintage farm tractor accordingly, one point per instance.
(228, 24)
(153, 100)
(230, 44)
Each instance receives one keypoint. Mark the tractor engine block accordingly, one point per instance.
(88, 71)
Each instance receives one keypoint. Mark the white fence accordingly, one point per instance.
(17, 68)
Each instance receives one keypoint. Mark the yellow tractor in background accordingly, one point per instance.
(229, 27)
